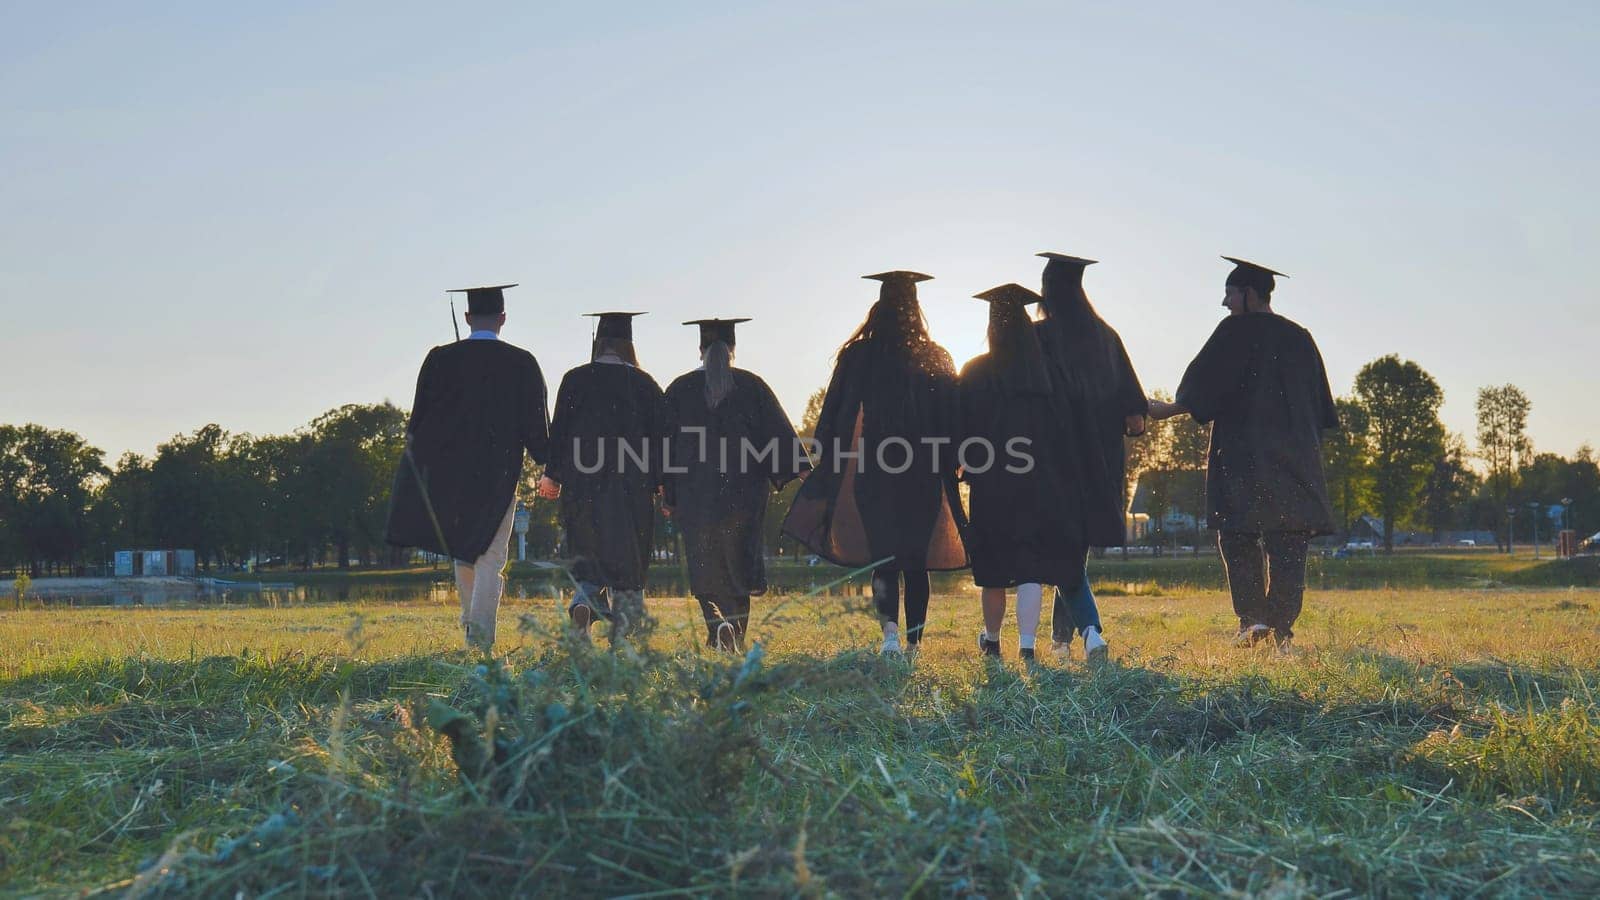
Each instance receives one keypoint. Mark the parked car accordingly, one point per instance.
(1466, 542)
(1360, 545)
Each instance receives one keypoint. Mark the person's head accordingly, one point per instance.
(1013, 341)
(895, 321)
(486, 307)
(716, 356)
(1248, 288)
(613, 336)
(1241, 299)
(1063, 295)
(485, 321)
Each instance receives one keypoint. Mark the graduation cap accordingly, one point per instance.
(898, 286)
(1249, 274)
(614, 324)
(1064, 259)
(484, 301)
(713, 330)
(1009, 293)
(1063, 272)
(899, 276)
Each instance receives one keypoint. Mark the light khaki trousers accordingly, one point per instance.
(480, 584)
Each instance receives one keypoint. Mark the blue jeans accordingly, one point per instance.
(1075, 611)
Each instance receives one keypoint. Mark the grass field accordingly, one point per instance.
(1435, 741)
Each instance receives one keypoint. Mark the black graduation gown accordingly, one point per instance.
(720, 501)
(608, 512)
(1095, 390)
(1023, 526)
(1261, 384)
(852, 512)
(479, 405)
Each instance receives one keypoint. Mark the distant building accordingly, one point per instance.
(1186, 497)
(142, 563)
(1370, 528)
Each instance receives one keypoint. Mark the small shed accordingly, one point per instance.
(137, 563)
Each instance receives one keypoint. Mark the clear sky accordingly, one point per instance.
(248, 213)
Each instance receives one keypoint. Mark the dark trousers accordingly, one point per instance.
(1267, 576)
(886, 595)
(734, 610)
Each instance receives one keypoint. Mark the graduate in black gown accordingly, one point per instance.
(884, 489)
(1261, 384)
(1026, 527)
(605, 464)
(1101, 401)
(730, 447)
(480, 404)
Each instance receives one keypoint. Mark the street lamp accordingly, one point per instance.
(1533, 510)
(1566, 524)
(1511, 530)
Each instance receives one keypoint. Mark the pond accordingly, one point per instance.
(550, 585)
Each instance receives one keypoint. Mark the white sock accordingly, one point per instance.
(891, 631)
(991, 635)
(1030, 603)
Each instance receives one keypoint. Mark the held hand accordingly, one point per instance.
(548, 489)
(666, 511)
(1133, 426)
(1161, 409)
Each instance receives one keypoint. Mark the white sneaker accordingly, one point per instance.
(1095, 650)
(891, 645)
(1061, 650)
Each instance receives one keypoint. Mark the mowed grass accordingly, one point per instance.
(1442, 742)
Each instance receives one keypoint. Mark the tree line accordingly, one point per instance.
(1394, 460)
(319, 495)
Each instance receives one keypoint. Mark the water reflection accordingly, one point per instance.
(204, 592)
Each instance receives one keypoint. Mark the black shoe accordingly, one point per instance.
(988, 647)
(1025, 653)
(1251, 636)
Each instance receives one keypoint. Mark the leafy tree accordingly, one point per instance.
(12, 471)
(813, 412)
(1447, 493)
(354, 451)
(1347, 463)
(1163, 460)
(124, 508)
(1549, 479)
(190, 505)
(1503, 440)
(47, 482)
(1187, 452)
(1402, 402)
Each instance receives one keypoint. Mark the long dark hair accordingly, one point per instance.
(1080, 341)
(1014, 348)
(718, 359)
(1065, 300)
(895, 327)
